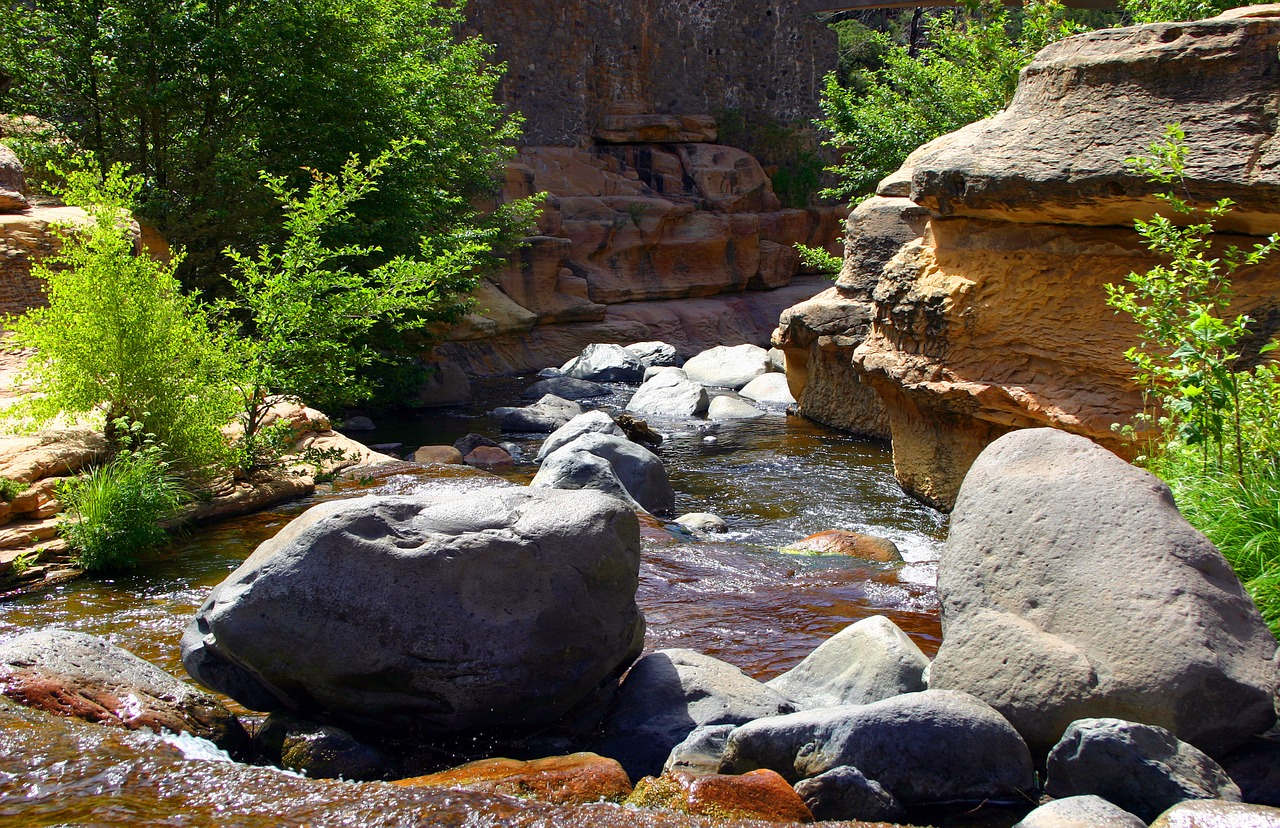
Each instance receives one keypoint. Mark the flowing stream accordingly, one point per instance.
(739, 598)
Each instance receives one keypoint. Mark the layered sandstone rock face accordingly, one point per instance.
(995, 318)
(629, 226)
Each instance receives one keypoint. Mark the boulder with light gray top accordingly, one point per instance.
(610, 464)
(669, 395)
(728, 367)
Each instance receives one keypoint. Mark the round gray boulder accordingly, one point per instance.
(566, 388)
(866, 662)
(543, 417)
(72, 674)
(1086, 811)
(610, 464)
(605, 363)
(669, 395)
(844, 793)
(1140, 768)
(585, 423)
(669, 693)
(769, 388)
(653, 354)
(728, 367)
(392, 616)
(732, 408)
(934, 746)
(1072, 587)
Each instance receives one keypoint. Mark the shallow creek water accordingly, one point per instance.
(739, 598)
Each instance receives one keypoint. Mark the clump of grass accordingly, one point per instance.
(9, 489)
(115, 512)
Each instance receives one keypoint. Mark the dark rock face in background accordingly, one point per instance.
(575, 69)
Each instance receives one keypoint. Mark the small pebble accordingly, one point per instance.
(709, 441)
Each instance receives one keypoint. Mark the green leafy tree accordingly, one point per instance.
(198, 96)
(302, 310)
(1157, 11)
(119, 339)
(969, 72)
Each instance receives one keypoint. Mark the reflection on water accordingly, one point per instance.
(737, 597)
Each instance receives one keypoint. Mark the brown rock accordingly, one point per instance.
(488, 457)
(853, 544)
(656, 129)
(444, 455)
(576, 779)
(27, 459)
(760, 794)
(28, 532)
(1212, 813)
(13, 182)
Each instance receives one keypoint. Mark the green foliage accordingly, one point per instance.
(198, 96)
(9, 489)
(819, 260)
(1156, 11)
(302, 311)
(119, 338)
(969, 72)
(1211, 417)
(788, 154)
(25, 560)
(114, 513)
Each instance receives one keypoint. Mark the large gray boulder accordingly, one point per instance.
(670, 395)
(73, 674)
(669, 693)
(865, 662)
(1085, 811)
(768, 388)
(566, 388)
(728, 367)
(651, 354)
(543, 417)
(701, 751)
(605, 363)
(934, 746)
(1211, 813)
(585, 423)
(732, 408)
(398, 615)
(1072, 588)
(13, 182)
(1140, 768)
(610, 464)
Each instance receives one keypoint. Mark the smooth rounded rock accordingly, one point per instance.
(1072, 587)
(759, 795)
(670, 396)
(444, 455)
(655, 370)
(77, 675)
(466, 445)
(655, 354)
(844, 793)
(731, 408)
(576, 779)
(1141, 768)
(566, 388)
(701, 751)
(933, 746)
(361, 423)
(587, 422)
(704, 522)
(1209, 813)
(489, 457)
(544, 416)
(612, 465)
(866, 662)
(769, 388)
(605, 363)
(318, 751)
(1080, 812)
(501, 609)
(853, 544)
(667, 694)
(728, 367)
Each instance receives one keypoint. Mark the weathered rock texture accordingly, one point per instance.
(995, 318)
(630, 224)
(500, 609)
(13, 182)
(629, 71)
(1072, 588)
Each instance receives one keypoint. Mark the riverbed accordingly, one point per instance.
(738, 597)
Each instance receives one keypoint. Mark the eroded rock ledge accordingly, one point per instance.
(990, 314)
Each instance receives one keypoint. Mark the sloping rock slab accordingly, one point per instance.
(1072, 588)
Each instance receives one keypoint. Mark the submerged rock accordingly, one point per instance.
(1141, 768)
(866, 662)
(669, 693)
(501, 609)
(319, 751)
(703, 522)
(1072, 588)
(731, 408)
(577, 779)
(853, 544)
(933, 746)
(544, 416)
(72, 674)
(566, 388)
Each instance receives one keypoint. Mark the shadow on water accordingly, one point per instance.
(738, 597)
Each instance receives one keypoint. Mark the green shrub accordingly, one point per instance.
(9, 489)
(115, 512)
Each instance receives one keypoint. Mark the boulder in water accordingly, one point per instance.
(609, 464)
(732, 408)
(544, 416)
(726, 367)
(605, 363)
(1086, 811)
(585, 423)
(566, 388)
(669, 395)
(501, 609)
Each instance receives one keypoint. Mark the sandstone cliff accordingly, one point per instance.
(992, 315)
